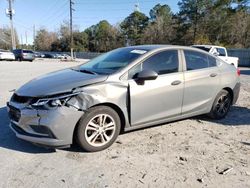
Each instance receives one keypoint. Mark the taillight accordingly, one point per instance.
(238, 71)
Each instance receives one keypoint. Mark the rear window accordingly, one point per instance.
(195, 60)
(207, 49)
(212, 61)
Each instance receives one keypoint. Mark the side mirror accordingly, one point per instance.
(216, 54)
(147, 75)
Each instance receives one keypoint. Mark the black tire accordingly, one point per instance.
(82, 132)
(221, 105)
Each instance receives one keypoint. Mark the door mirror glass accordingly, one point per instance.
(147, 75)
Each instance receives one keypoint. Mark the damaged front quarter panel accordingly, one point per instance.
(108, 93)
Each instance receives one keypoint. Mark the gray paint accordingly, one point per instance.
(58, 82)
(156, 101)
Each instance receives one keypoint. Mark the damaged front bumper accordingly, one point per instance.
(47, 127)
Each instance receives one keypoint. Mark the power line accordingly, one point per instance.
(60, 9)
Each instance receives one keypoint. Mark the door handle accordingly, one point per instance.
(176, 82)
(213, 75)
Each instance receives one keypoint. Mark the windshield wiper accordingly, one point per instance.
(88, 71)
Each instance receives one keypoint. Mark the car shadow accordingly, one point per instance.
(237, 116)
(246, 143)
(245, 72)
(8, 139)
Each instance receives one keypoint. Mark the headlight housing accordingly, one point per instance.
(57, 101)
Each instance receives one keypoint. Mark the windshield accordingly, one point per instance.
(112, 61)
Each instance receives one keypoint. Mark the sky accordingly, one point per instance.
(51, 13)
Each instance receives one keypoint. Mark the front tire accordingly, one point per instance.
(98, 129)
(221, 105)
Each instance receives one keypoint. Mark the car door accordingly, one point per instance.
(202, 81)
(158, 99)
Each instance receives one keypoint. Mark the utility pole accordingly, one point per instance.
(34, 36)
(71, 30)
(21, 41)
(10, 13)
(26, 39)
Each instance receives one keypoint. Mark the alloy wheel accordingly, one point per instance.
(223, 105)
(100, 130)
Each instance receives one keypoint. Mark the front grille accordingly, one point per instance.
(20, 99)
(14, 113)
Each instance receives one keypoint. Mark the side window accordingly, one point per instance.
(212, 61)
(195, 60)
(163, 63)
(221, 51)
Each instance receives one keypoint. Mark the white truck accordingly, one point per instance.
(220, 52)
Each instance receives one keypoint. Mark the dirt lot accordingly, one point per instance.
(187, 153)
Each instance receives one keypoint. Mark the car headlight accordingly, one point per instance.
(49, 102)
(55, 101)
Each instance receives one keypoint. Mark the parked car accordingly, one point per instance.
(221, 52)
(6, 55)
(122, 90)
(50, 56)
(38, 55)
(24, 55)
(62, 56)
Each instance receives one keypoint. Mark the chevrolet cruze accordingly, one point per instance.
(122, 90)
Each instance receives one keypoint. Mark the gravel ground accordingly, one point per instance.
(188, 153)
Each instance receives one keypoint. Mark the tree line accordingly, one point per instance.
(219, 22)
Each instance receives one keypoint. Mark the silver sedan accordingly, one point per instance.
(125, 89)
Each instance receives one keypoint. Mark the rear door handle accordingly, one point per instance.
(213, 75)
(176, 82)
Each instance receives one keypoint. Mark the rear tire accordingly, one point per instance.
(98, 129)
(221, 105)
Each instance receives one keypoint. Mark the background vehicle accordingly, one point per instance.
(6, 55)
(221, 52)
(51, 56)
(24, 55)
(125, 89)
(38, 55)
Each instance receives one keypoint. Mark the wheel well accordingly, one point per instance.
(230, 91)
(114, 107)
(118, 111)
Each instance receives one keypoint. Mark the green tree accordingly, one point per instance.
(133, 27)
(103, 37)
(190, 17)
(44, 39)
(160, 29)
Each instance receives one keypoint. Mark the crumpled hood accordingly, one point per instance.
(58, 82)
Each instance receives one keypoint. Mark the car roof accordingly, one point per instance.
(208, 46)
(156, 47)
